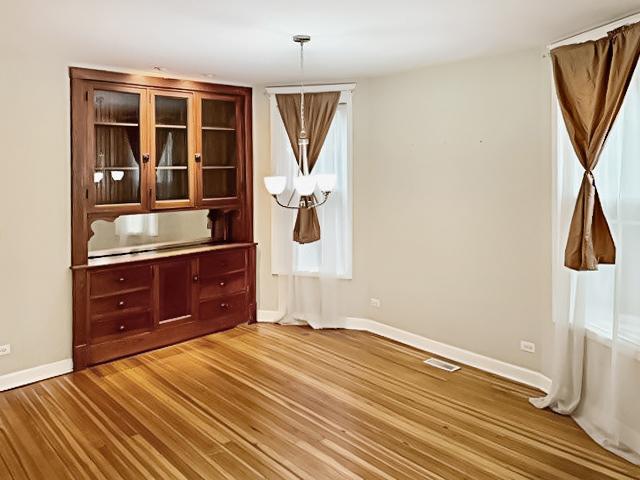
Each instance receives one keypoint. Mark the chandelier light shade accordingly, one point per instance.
(326, 182)
(275, 185)
(305, 183)
(97, 177)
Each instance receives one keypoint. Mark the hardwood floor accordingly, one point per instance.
(266, 401)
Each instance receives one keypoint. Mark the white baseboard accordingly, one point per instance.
(35, 374)
(487, 364)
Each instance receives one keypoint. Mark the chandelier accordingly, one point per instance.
(304, 183)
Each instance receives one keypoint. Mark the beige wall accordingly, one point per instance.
(452, 172)
(451, 205)
(35, 239)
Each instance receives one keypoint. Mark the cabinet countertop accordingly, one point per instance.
(159, 254)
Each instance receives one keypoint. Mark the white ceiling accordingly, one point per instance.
(249, 41)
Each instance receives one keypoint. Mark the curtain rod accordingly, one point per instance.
(607, 26)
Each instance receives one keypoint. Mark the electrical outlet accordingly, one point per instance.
(5, 349)
(375, 302)
(528, 347)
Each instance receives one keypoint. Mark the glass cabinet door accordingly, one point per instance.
(117, 145)
(218, 146)
(172, 149)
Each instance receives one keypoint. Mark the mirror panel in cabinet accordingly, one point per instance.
(171, 148)
(219, 148)
(148, 231)
(116, 128)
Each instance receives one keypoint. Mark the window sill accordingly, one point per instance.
(604, 339)
(314, 275)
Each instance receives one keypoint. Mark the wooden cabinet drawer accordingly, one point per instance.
(124, 324)
(215, 264)
(140, 299)
(228, 306)
(213, 287)
(120, 279)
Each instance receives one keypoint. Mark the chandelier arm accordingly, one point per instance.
(324, 200)
(293, 192)
(283, 205)
(308, 207)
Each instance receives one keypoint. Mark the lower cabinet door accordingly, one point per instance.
(224, 312)
(175, 291)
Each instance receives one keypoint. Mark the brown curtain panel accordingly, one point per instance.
(592, 79)
(319, 110)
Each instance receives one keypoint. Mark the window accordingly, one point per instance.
(331, 255)
(608, 299)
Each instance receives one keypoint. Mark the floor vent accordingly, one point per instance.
(441, 364)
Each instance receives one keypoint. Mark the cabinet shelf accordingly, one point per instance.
(107, 169)
(115, 124)
(173, 167)
(224, 129)
(172, 127)
(218, 167)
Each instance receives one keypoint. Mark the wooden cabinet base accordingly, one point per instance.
(129, 307)
(141, 342)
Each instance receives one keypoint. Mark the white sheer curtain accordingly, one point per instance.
(309, 275)
(596, 373)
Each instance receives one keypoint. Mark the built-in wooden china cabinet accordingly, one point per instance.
(148, 144)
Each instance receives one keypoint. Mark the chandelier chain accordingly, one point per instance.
(302, 85)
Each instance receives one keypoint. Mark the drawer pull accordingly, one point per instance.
(196, 278)
(121, 279)
(224, 305)
(222, 284)
(121, 328)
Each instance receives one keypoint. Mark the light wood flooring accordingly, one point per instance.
(267, 401)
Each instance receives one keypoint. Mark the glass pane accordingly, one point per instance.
(218, 148)
(218, 113)
(171, 111)
(172, 148)
(117, 186)
(175, 290)
(116, 107)
(117, 147)
(172, 184)
(219, 182)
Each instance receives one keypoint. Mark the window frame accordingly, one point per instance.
(346, 98)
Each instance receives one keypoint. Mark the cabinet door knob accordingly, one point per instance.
(222, 284)
(121, 303)
(196, 278)
(121, 279)
(198, 158)
(224, 305)
(121, 328)
(145, 157)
